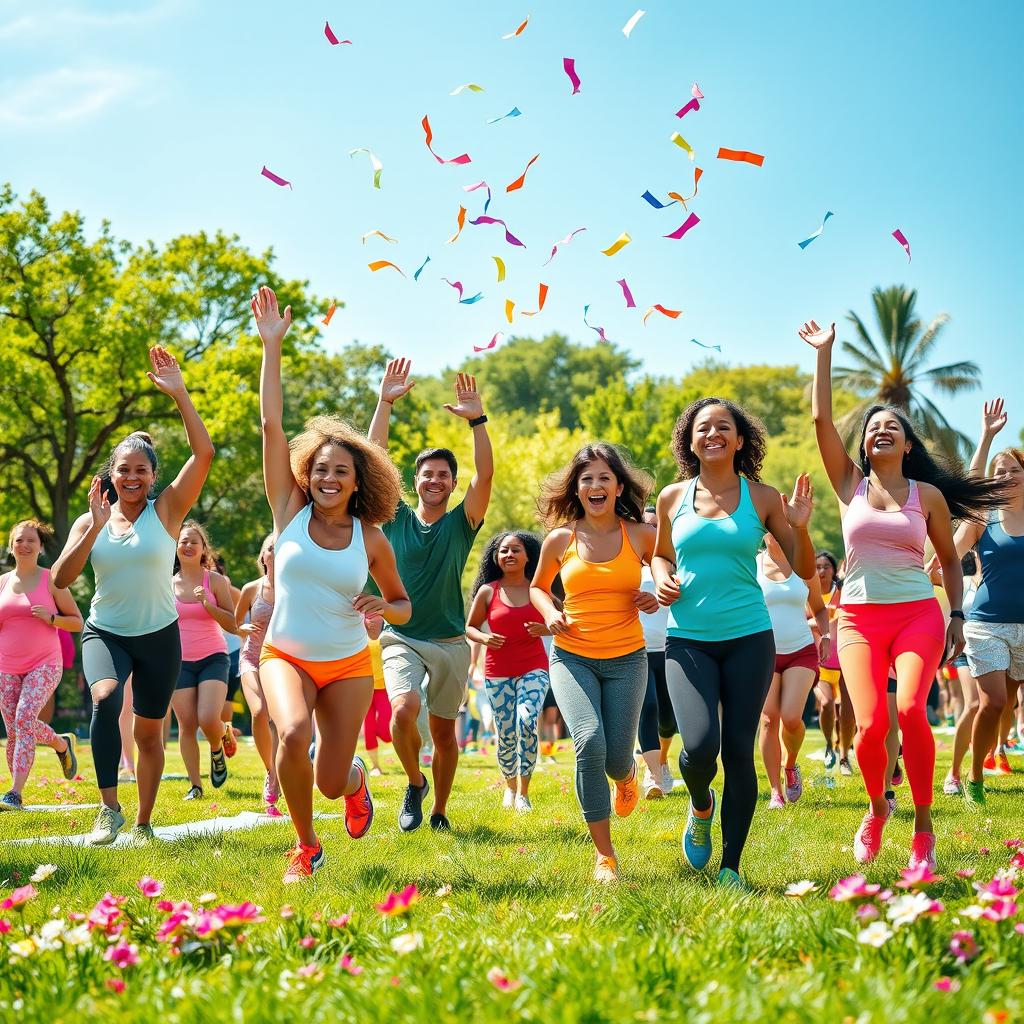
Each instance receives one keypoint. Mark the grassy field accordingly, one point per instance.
(508, 924)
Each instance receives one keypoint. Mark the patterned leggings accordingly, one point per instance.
(22, 697)
(516, 702)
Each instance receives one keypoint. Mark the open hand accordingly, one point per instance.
(993, 418)
(817, 337)
(271, 324)
(396, 382)
(166, 373)
(99, 504)
(537, 629)
(798, 508)
(468, 404)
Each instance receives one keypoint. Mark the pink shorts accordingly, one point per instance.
(806, 657)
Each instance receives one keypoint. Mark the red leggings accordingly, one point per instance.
(377, 724)
(910, 636)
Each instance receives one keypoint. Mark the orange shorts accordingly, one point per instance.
(324, 672)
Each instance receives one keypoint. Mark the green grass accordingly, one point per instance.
(662, 945)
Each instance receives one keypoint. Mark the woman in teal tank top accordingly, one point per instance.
(720, 649)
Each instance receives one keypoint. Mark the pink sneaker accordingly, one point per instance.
(273, 811)
(794, 784)
(868, 840)
(776, 803)
(271, 789)
(922, 851)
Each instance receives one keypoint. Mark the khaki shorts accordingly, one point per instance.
(443, 663)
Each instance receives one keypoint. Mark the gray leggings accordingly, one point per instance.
(600, 700)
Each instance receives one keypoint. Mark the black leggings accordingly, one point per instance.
(701, 674)
(657, 720)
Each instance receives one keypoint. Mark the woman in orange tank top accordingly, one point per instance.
(598, 668)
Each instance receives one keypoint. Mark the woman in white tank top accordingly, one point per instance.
(328, 494)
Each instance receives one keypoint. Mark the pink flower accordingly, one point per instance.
(917, 878)
(122, 955)
(104, 916)
(240, 914)
(1000, 910)
(347, 963)
(856, 887)
(173, 929)
(1019, 929)
(945, 984)
(965, 873)
(287, 911)
(115, 985)
(867, 912)
(150, 887)
(1013, 844)
(307, 970)
(19, 897)
(206, 923)
(307, 942)
(5, 926)
(1017, 860)
(502, 982)
(340, 922)
(963, 947)
(998, 888)
(399, 902)
(984, 851)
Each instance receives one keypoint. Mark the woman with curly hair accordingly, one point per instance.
(594, 508)
(895, 499)
(515, 662)
(720, 649)
(329, 490)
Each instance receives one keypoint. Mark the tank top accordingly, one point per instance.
(832, 604)
(603, 620)
(25, 641)
(885, 551)
(314, 587)
(134, 594)
(1000, 597)
(716, 564)
(259, 616)
(521, 653)
(787, 608)
(201, 635)
(654, 625)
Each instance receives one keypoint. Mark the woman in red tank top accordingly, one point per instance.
(516, 664)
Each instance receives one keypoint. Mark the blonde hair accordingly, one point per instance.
(380, 486)
(208, 559)
(1010, 453)
(44, 532)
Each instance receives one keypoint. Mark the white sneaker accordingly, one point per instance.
(523, 805)
(650, 786)
(508, 801)
(667, 782)
(951, 787)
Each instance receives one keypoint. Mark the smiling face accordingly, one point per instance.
(715, 439)
(190, 546)
(597, 488)
(511, 555)
(434, 483)
(26, 544)
(332, 478)
(884, 436)
(132, 476)
(826, 574)
(1007, 470)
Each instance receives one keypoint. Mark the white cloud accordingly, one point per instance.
(66, 94)
(49, 19)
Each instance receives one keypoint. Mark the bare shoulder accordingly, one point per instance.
(766, 498)
(931, 497)
(557, 540)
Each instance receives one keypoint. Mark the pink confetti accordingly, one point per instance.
(694, 104)
(598, 330)
(902, 239)
(692, 221)
(509, 237)
(275, 178)
(479, 184)
(630, 304)
(695, 92)
(463, 159)
(565, 241)
(331, 37)
(569, 63)
(494, 341)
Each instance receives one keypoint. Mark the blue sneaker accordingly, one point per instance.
(697, 837)
(729, 879)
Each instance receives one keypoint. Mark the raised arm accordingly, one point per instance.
(470, 407)
(551, 552)
(993, 419)
(175, 500)
(72, 559)
(843, 473)
(395, 383)
(787, 520)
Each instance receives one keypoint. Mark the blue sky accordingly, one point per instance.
(159, 115)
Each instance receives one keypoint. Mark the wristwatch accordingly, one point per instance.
(478, 421)
(956, 613)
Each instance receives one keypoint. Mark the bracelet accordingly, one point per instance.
(956, 613)
(479, 421)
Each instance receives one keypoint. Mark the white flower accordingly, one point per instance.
(53, 929)
(876, 934)
(908, 908)
(24, 948)
(77, 936)
(445, 890)
(801, 889)
(43, 872)
(177, 992)
(407, 942)
(974, 912)
(207, 897)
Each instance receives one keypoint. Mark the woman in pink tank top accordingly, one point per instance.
(203, 601)
(32, 610)
(895, 499)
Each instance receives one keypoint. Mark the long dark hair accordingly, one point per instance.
(746, 462)
(490, 571)
(968, 497)
(559, 503)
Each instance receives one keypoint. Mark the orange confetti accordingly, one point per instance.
(741, 155)
(673, 313)
(697, 172)
(462, 224)
(521, 180)
(327, 319)
(509, 306)
(519, 31)
(381, 264)
(542, 294)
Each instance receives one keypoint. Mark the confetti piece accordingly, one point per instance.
(691, 222)
(519, 31)
(695, 92)
(694, 104)
(494, 341)
(565, 241)
(471, 86)
(657, 203)
(673, 313)
(514, 112)
(683, 144)
(479, 184)
(697, 172)
(374, 163)
(463, 159)
(542, 294)
(509, 237)
(457, 285)
(717, 348)
(331, 37)
(370, 234)
(569, 65)
(327, 319)
(619, 242)
(501, 267)
(275, 178)
(810, 238)
(742, 156)
(902, 239)
(461, 222)
(630, 304)
(599, 330)
(631, 24)
(521, 180)
(381, 264)
(509, 306)
(416, 276)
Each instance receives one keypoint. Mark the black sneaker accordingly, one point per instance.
(410, 817)
(10, 801)
(218, 768)
(194, 793)
(439, 823)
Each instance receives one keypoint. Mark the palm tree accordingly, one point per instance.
(895, 372)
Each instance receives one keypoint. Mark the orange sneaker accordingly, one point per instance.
(990, 762)
(1003, 763)
(230, 744)
(359, 806)
(627, 793)
(303, 861)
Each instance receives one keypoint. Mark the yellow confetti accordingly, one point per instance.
(509, 306)
(620, 242)
(501, 267)
(380, 234)
(471, 86)
(682, 143)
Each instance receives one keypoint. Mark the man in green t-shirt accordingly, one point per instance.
(432, 544)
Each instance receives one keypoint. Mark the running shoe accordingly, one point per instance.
(218, 768)
(952, 786)
(273, 811)
(794, 784)
(141, 835)
(410, 817)
(194, 793)
(10, 801)
(627, 793)
(606, 869)
(508, 801)
(666, 782)
(974, 795)
(312, 749)
(830, 758)
(922, 851)
(375, 772)
(868, 841)
(67, 757)
(302, 862)
(439, 823)
(271, 789)
(890, 799)
(729, 879)
(990, 762)
(776, 802)
(845, 768)
(108, 823)
(230, 743)
(651, 789)
(523, 805)
(359, 806)
(125, 774)
(697, 837)
(897, 774)
(1002, 763)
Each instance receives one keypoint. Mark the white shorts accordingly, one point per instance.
(995, 647)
